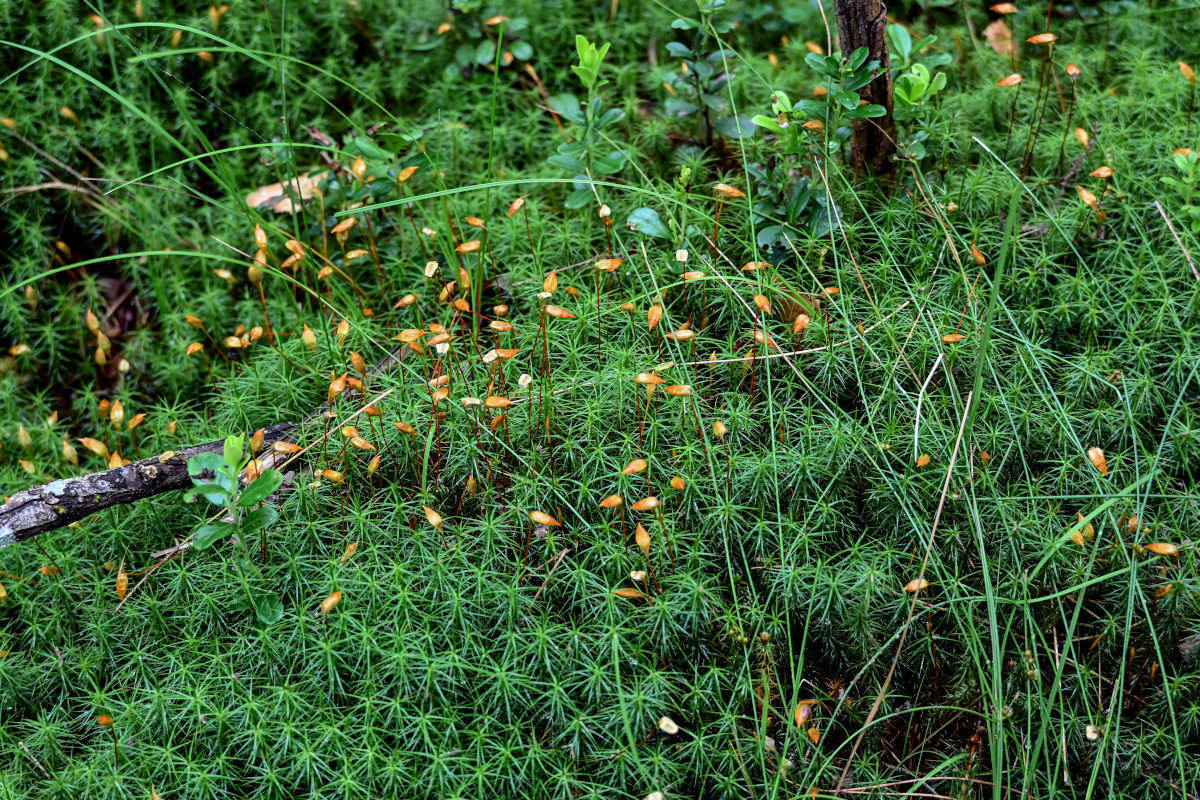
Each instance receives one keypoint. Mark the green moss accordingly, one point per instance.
(455, 661)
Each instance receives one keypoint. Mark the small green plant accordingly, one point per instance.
(809, 129)
(478, 34)
(784, 195)
(239, 517)
(904, 52)
(912, 90)
(836, 102)
(1187, 185)
(590, 59)
(699, 86)
(915, 82)
(584, 157)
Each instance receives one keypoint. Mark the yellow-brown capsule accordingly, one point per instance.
(542, 518)
(642, 537)
(330, 603)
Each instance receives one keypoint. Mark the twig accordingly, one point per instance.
(178, 551)
(550, 575)
(875, 787)
(1058, 659)
(916, 594)
(59, 503)
(36, 763)
(1173, 786)
(541, 87)
(37, 187)
(1178, 241)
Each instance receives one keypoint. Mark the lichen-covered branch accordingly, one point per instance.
(59, 503)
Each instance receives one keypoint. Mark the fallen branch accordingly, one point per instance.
(59, 503)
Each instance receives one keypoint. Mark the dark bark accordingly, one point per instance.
(59, 503)
(863, 23)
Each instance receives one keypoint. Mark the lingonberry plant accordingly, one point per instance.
(807, 133)
(593, 154)
(242, 515)
(698, 87)
(1186, 183)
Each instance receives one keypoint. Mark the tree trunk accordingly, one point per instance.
(862, 23)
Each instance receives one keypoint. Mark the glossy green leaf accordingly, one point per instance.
(258, 519)
(261, 487)
(647, 221)
(206, 535)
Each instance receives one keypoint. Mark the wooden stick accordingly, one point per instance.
(562, 554)
(59, 503)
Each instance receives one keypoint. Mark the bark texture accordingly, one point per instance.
(863, 23)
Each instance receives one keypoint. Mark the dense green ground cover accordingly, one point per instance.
(492, 657)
